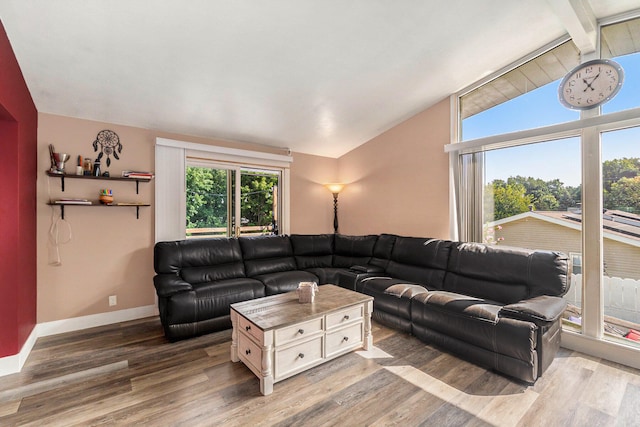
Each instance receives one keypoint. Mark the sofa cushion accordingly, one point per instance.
(420, 260)
(327, 275)
(352, 250)
(505, 274)
(209, 300)
(405, 290)
(382, 250)
(200, 260)
(377, 287)
(475, 321)
(312, 251)
(285, 281)
(266, 254)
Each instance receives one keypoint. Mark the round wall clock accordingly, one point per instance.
(591, 84)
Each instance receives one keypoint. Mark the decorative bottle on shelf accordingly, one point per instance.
(96, 168)
(86, 166)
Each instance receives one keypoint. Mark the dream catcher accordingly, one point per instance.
(109, 144)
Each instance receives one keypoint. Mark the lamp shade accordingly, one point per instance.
(335, 188)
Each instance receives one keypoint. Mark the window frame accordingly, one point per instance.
(170, 184)
(237, 170)
(589, 127)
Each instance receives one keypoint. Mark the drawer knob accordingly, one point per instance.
(301, 355)
(345, 339)
(346, 317)
(248, 328)
(301, 331)
(247, 352)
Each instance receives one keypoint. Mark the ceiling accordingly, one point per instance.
(318, 77)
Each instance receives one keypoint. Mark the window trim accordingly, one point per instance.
(572, 257)
(170, 183)
(603, 123)
(237, 170)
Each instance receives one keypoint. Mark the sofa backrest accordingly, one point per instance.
(352, 250)
(382, 250)
(420, 260)
(199, 260)
(312, 251)
(266, 254)
(505, 274)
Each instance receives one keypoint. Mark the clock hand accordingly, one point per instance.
(590, 83)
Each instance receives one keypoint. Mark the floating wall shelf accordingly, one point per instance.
(63, 203)
(106, 178)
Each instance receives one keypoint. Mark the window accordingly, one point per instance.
(576, 263)
(213, 204)
(489, 109)
(621, 42)
(531, 198)
(621, 234)
(208, 191)
(561, 181)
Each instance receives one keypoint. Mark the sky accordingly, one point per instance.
(556, 159)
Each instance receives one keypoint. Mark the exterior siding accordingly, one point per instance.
(621, 260)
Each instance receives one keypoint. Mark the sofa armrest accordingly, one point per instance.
(169, 284)
(367, 268)
(542, 310)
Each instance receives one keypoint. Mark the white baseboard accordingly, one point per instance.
(93, 320)
(13, 364)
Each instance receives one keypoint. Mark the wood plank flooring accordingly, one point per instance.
(128, 374)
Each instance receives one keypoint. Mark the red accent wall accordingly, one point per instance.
(18, 164)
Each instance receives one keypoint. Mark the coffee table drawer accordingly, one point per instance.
(345, 339)
(297, 358)
(298, 331)
(250, 329)
(348, 315)
(249, 352)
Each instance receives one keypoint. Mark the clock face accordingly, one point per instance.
(591, 84)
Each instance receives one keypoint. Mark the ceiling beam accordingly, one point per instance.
(579, 21)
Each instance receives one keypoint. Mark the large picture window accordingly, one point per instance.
(511, 102)
(530, 173)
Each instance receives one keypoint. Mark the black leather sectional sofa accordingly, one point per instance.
(497, 306)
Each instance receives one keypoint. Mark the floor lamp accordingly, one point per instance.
(335, 188)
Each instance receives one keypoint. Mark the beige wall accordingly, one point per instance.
(399, 181)
(311, 202)
(111, 252)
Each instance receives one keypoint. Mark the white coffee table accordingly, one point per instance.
(277, 337)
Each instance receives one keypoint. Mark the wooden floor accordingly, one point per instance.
(128, 374)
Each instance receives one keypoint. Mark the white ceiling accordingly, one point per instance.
(316, 76)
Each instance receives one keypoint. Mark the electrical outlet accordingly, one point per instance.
(113, 300)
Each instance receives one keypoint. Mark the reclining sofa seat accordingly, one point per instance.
(196, 281)
(499, 307)
(270, 260)
(412, 261)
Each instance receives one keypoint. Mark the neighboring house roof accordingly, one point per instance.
(618, 225)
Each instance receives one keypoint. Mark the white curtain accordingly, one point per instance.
(170, 203)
